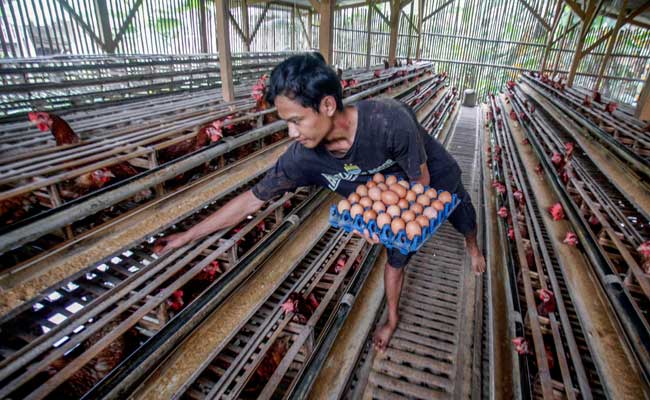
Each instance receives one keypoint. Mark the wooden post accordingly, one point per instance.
(394, 30)
(643, 106)
(418, 45)
(203, 26)
(225, 59)
(610, 45)
(590, 14)
(105, 25)
(293, 27)
(410, 30)
(368, 28)
(245, 27)
(564, 35)
(310, 27)
(551, 34)
(325, 37)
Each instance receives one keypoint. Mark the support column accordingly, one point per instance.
(394, 30)
(310, 27)
(293, 27)
(611, 42)
(551, 34)
(325, 37)
(245, 27)
(643, 106)
(577, 56)
(418, 45)
(203, 26)
(225, 59)
(368, 27)
(105, 25)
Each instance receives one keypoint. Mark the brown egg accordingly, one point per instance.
(378, 206)
(383, 219)
(410, 196)
(356, 209)
(374, 193)
(397, 225)
(378, 178)
(401, 192)
(343, 205)
(408, 216)
(390, 180)
(394, 211)
(418, 188)
(404, 184)
(438, 205)
(413, 229)
(430, 213)
(417, 208)
(389, 198)
(370, 184)
(424, 200)
(366, 202)
(362, 190)
(431, 193)
(369, 215)
(354, 198)
(445, 197)
(403, 204)
(422, 220)
(383, 187)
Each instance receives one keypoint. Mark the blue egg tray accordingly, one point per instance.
(386, 235)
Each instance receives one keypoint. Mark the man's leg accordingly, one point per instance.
(393, 281)
(463, 220)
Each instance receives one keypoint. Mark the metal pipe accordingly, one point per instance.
(303, 385)
(121, 381)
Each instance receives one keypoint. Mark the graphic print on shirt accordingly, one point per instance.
(352, 174)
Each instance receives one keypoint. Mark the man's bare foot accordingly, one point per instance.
(382, 336)
(478, 264)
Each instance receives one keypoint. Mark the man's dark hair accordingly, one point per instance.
(307, 79)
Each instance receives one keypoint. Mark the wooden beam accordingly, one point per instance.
(394, 30)
(310, 27)
(368, 27)
(325, 37)
(568, 30)
(643, 105)
(203, 26)
(381, 14)
(410, 21)
(245, 25)
(559, 52)
(104, 23)
(304, 30)
(632, 22)
(125, 25)
(536, 15)
(240, 32)
(293, 28)
(610, 45)
(549, 40)
(418, 43)
(437, 10)
(81, 22)
(259, 23)
(576, 9)
(617, 27)
(225, 57)
(405, 3)
(316, 5)
(586, 25)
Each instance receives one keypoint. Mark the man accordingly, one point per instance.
(339, 148)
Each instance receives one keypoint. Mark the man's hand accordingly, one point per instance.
(171, 242)
(372, 239)
(478, 264)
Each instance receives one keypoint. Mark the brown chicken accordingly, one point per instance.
(301, 307)
(209, 133)
(94, 370)
(15, 208)
(57, 125)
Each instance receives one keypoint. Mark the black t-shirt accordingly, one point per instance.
(389, 139)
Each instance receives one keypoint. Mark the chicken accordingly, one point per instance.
(60, 129)
(571, 239)
(556, 211)
(519, 196)
(209, 133)
(209, 272)
(15, 208)
(547, 304)
(511, 84)
(272, 359)
(539, 170)
(558, 160)
(598, 98)
(377, 73)
(525, 142)
(611, 107)
(86, 183)
(301, 307)
(587, 101)
(513, 115)
(569, 148)
(94, 370)
(521, 345)
(644, 250)
(386, 64)
(511, 233)
(340, 264)
(176, 302)
(503, 212)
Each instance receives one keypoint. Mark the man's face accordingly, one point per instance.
(307, 126)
